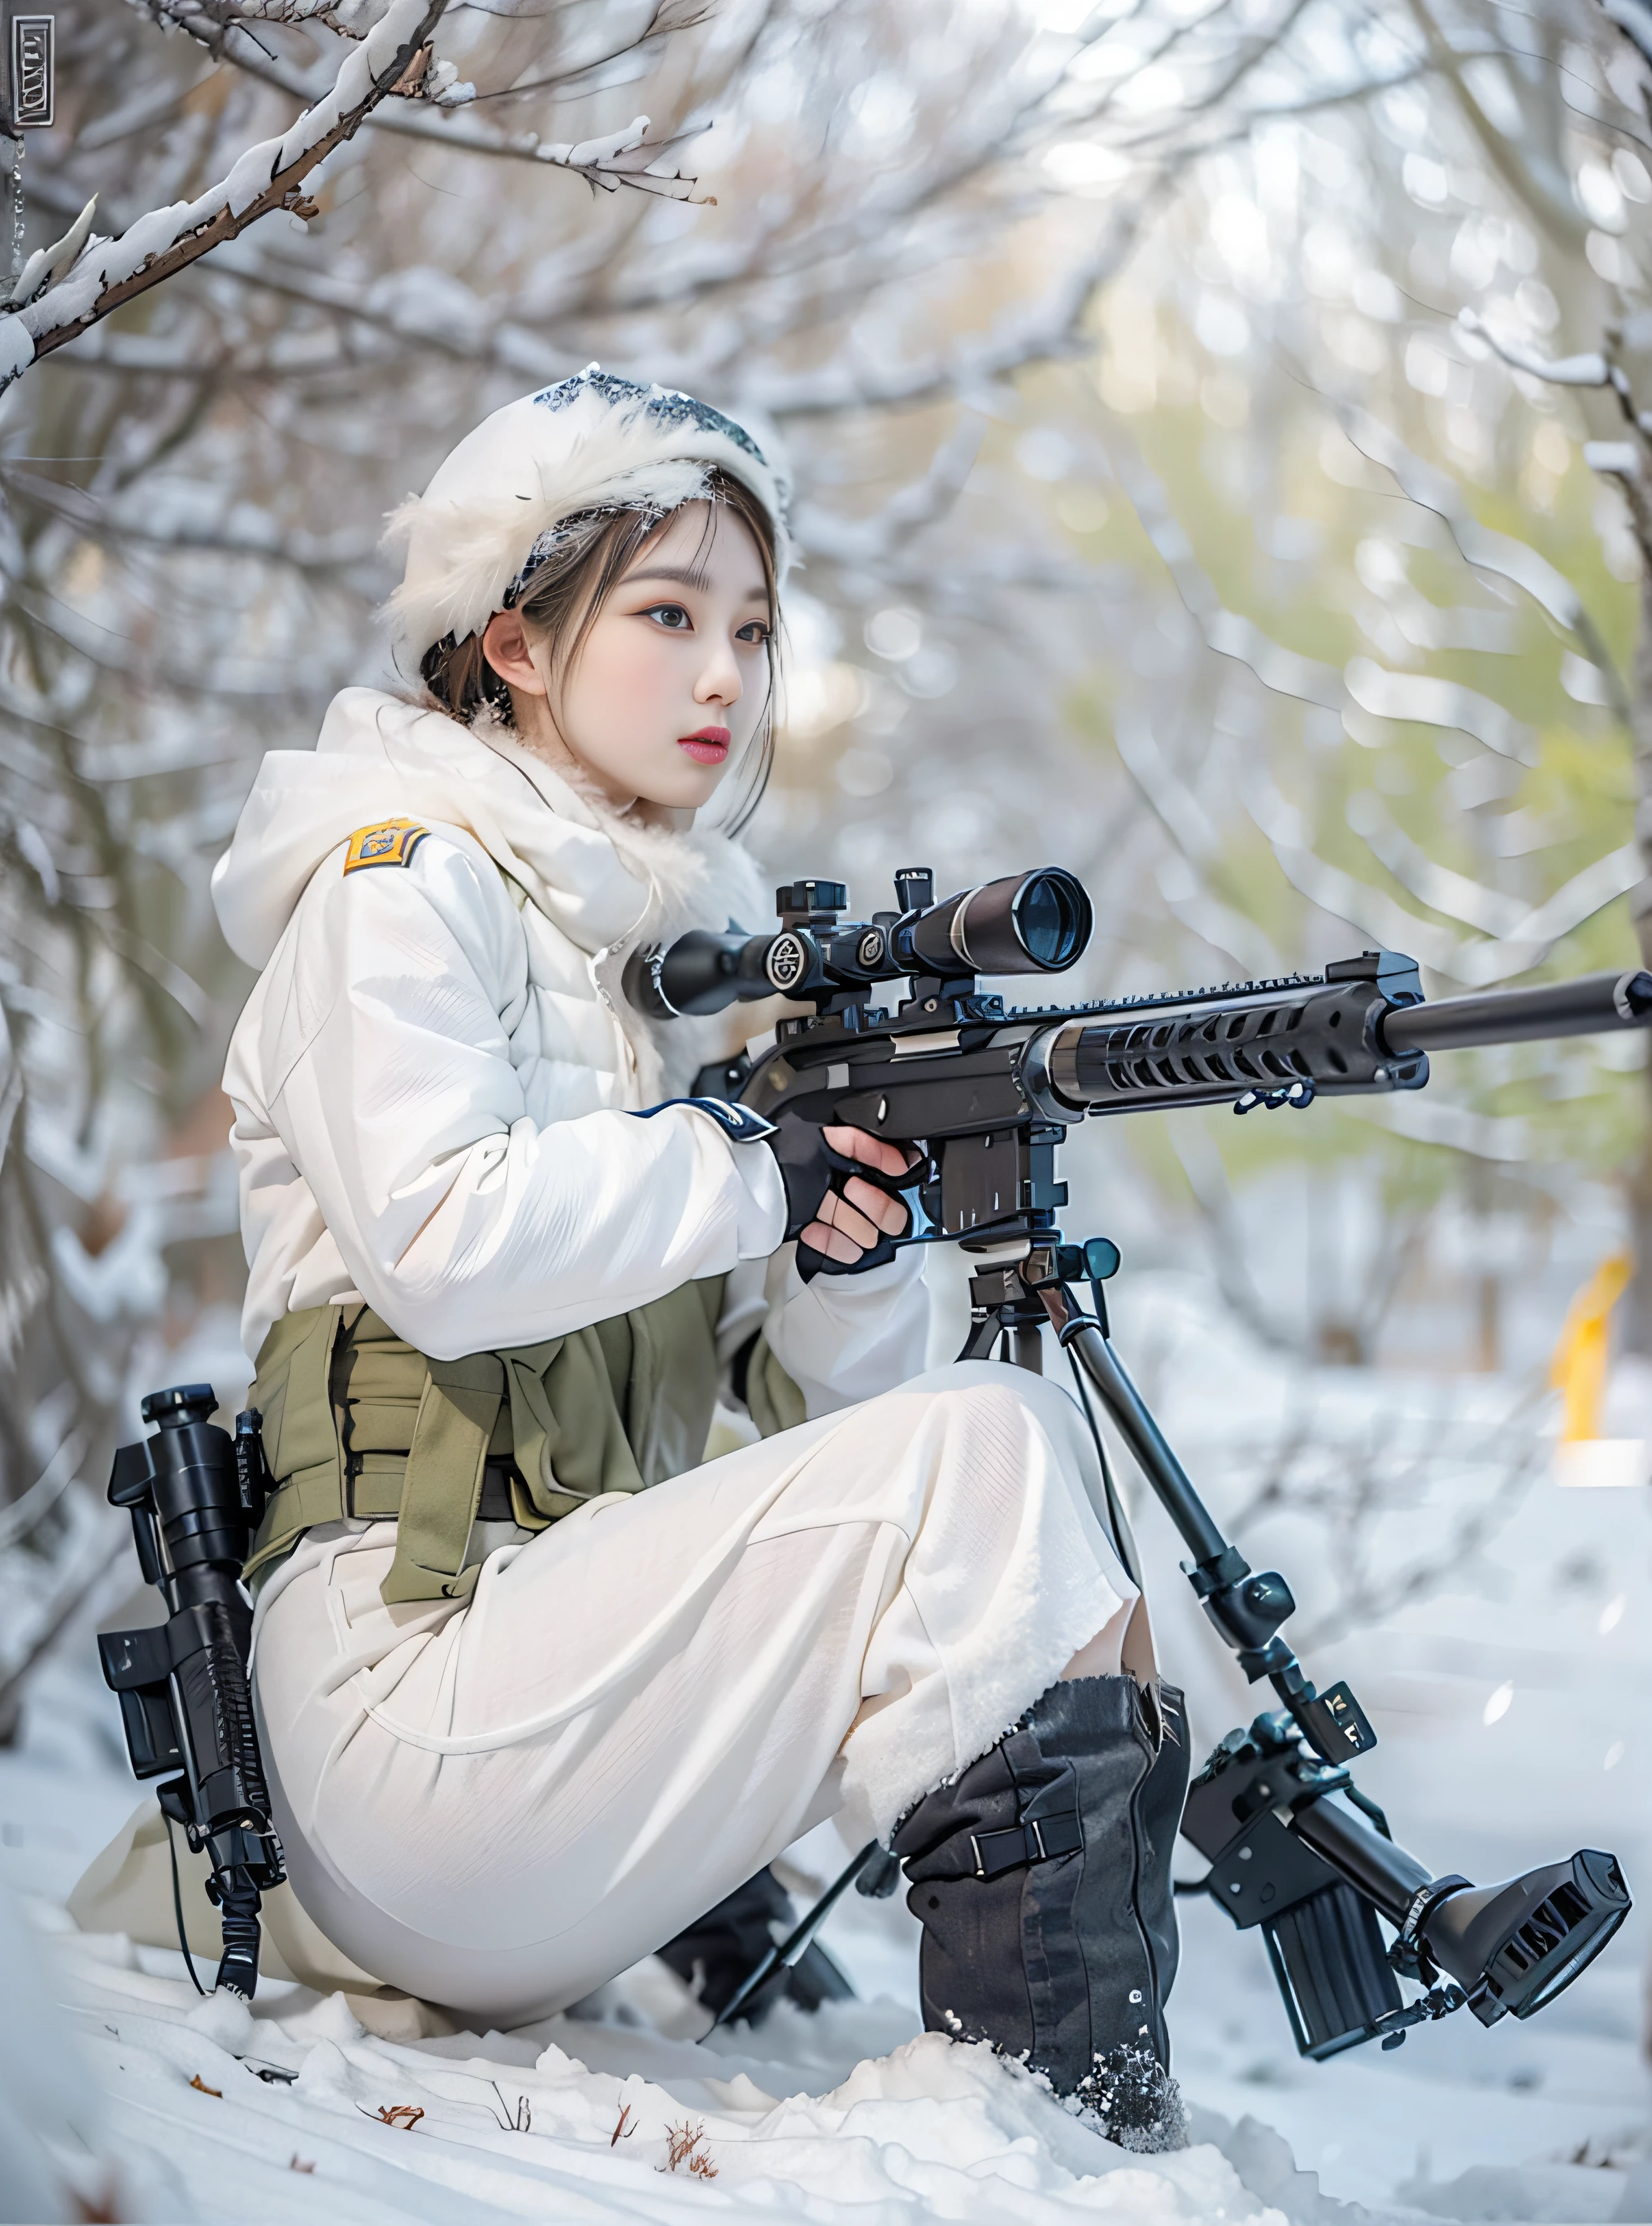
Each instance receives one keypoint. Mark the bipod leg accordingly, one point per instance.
(1246, 1607)
(1171, 1483)
(790, 1950)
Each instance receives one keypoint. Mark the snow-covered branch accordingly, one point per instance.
(1041, 332)
(1528, 935)
(633, 156)
(1621, 459)
(1519, 936)
(1589, 370)
(1488, 551)
(209, 22)
(78, 285)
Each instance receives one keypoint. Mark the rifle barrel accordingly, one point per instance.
(1592, 1004)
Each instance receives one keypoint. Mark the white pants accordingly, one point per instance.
(499, 1805)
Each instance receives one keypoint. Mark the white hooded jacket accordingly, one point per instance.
(435, 1077)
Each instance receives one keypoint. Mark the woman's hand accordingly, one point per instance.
(856, 1220)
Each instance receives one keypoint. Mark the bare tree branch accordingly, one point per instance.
(628, 157)
(109, 274)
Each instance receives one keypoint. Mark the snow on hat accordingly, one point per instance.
(593, 442)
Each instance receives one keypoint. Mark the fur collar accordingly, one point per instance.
(605, 881)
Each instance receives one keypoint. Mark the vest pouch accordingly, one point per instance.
(567, 1435)
(300, 1442)
(360, 1423)
(442, 1481)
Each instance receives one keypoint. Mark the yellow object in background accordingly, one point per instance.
(1579, 1368)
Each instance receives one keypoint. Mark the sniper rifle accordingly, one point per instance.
(984, 1094)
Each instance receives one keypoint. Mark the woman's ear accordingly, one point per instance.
(504, 644)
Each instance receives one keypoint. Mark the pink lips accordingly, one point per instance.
(710, 746)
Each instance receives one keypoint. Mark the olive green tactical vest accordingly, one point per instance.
(358, 1423)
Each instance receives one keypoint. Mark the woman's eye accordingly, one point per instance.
(673, 616)
(756, 633)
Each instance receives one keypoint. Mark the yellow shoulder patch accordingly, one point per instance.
(390, 844)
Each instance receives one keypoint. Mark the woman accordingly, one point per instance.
(535, 1690)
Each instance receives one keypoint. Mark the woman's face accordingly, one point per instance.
(674, 674)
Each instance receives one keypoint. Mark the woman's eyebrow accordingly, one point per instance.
(687, 576)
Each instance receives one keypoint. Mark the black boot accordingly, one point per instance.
(1041, 1879)
(727, 1944)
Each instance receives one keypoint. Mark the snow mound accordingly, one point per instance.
(292, 2107)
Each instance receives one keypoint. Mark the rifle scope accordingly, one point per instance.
(1034, 923)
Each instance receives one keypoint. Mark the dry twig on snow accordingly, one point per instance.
(685, 2144)
(404, 2114)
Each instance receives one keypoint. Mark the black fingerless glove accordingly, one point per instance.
(810, 1168)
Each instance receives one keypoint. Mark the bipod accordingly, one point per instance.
(1022, 1284)
(791, 1950)
(1243, 1604)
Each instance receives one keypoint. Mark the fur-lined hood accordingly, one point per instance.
(604, 882)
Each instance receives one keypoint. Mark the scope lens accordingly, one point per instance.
(1052, 919)
(1034, 923)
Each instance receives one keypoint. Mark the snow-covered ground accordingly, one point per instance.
(1512, 1703)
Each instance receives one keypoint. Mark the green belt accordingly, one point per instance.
(431, 1491)
(358, 1423)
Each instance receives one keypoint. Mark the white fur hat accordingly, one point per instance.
(593, 442)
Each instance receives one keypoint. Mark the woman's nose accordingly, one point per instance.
(719, 681)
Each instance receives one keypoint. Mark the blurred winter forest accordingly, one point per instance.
(1218, 460)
